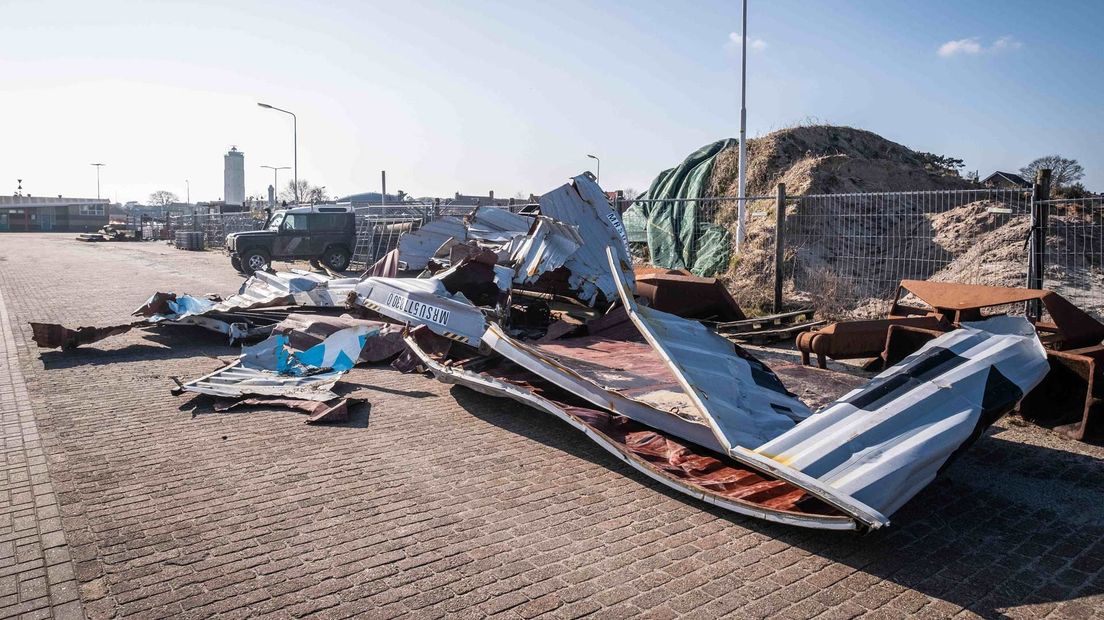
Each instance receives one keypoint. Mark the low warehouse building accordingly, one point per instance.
(39, 214)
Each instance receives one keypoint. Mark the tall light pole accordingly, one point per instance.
(741, 193)
(98, 166)
(294, 143)
(598, 171)
(275, 182)
(188, 190)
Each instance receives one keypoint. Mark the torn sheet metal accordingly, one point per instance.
(624, 377)
(288, 288)
(547, 246)
(320, 412)
(742, 402)
(417, 247)
(883, 443)
(584, 205)
(496, 225)
(305, 331)
(747, 403)
(236, 381)
(386, 267)
(52, 335)
(694, 473)
(424, 301)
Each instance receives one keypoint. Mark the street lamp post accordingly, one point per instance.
(598, 170)
(741, 189)
(275, 179)
(188, 191)
(98, 166)
(294, 143)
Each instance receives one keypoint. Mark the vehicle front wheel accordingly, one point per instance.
(235, 262)
(254, 260)
(336, 258)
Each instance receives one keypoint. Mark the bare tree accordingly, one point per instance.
(307, 192)
(1063, 172)
(162, 197)
(630, 193)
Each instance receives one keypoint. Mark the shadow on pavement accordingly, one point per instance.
(1008, 524)
(168, 342)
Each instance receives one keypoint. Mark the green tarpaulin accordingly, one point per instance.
(677, 236)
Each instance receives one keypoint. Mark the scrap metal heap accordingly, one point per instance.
(540, 308)
(1071, 399)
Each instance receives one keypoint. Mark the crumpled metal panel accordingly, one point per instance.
(288, 288)
(423, 301)
(307, 330)
(547, 246)
(52, 335)
(496, 225)
(693, 474)
(235, 381)
(418, 246)
(584, 205)
(641, 393)
(744, 401)
(883, 443)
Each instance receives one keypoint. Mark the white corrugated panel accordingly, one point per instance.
(583, 205)
(885, 442)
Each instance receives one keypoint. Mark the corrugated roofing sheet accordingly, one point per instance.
(584, 205)
(547, 246)
(885, 442)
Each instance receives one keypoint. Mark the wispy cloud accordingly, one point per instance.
(972, 46)
(735, 39)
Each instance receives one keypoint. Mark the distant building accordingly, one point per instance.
(370, 198)
(233, 178)
(1005, 180)
(488, 200)
(27, 214)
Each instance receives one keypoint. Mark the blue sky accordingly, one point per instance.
(470, 96)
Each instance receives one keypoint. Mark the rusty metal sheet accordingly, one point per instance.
(963, 302)
(386, 267)
(694, 473)
(624, 377)
(748, 405)
(52, 336)
(688, 296)
(320, 412)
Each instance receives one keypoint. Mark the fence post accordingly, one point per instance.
(779, 242)
(1040, 194)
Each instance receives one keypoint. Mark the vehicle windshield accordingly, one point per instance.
(274, 223)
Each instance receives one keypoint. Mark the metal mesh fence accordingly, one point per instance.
(1074, 257)
(215, 226)
(846, 253)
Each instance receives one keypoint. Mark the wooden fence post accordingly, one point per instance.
(779, 242)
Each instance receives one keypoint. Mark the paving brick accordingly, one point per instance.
(121, 502)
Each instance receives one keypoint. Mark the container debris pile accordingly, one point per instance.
(545, 308)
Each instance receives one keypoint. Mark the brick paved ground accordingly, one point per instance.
(439, 501)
